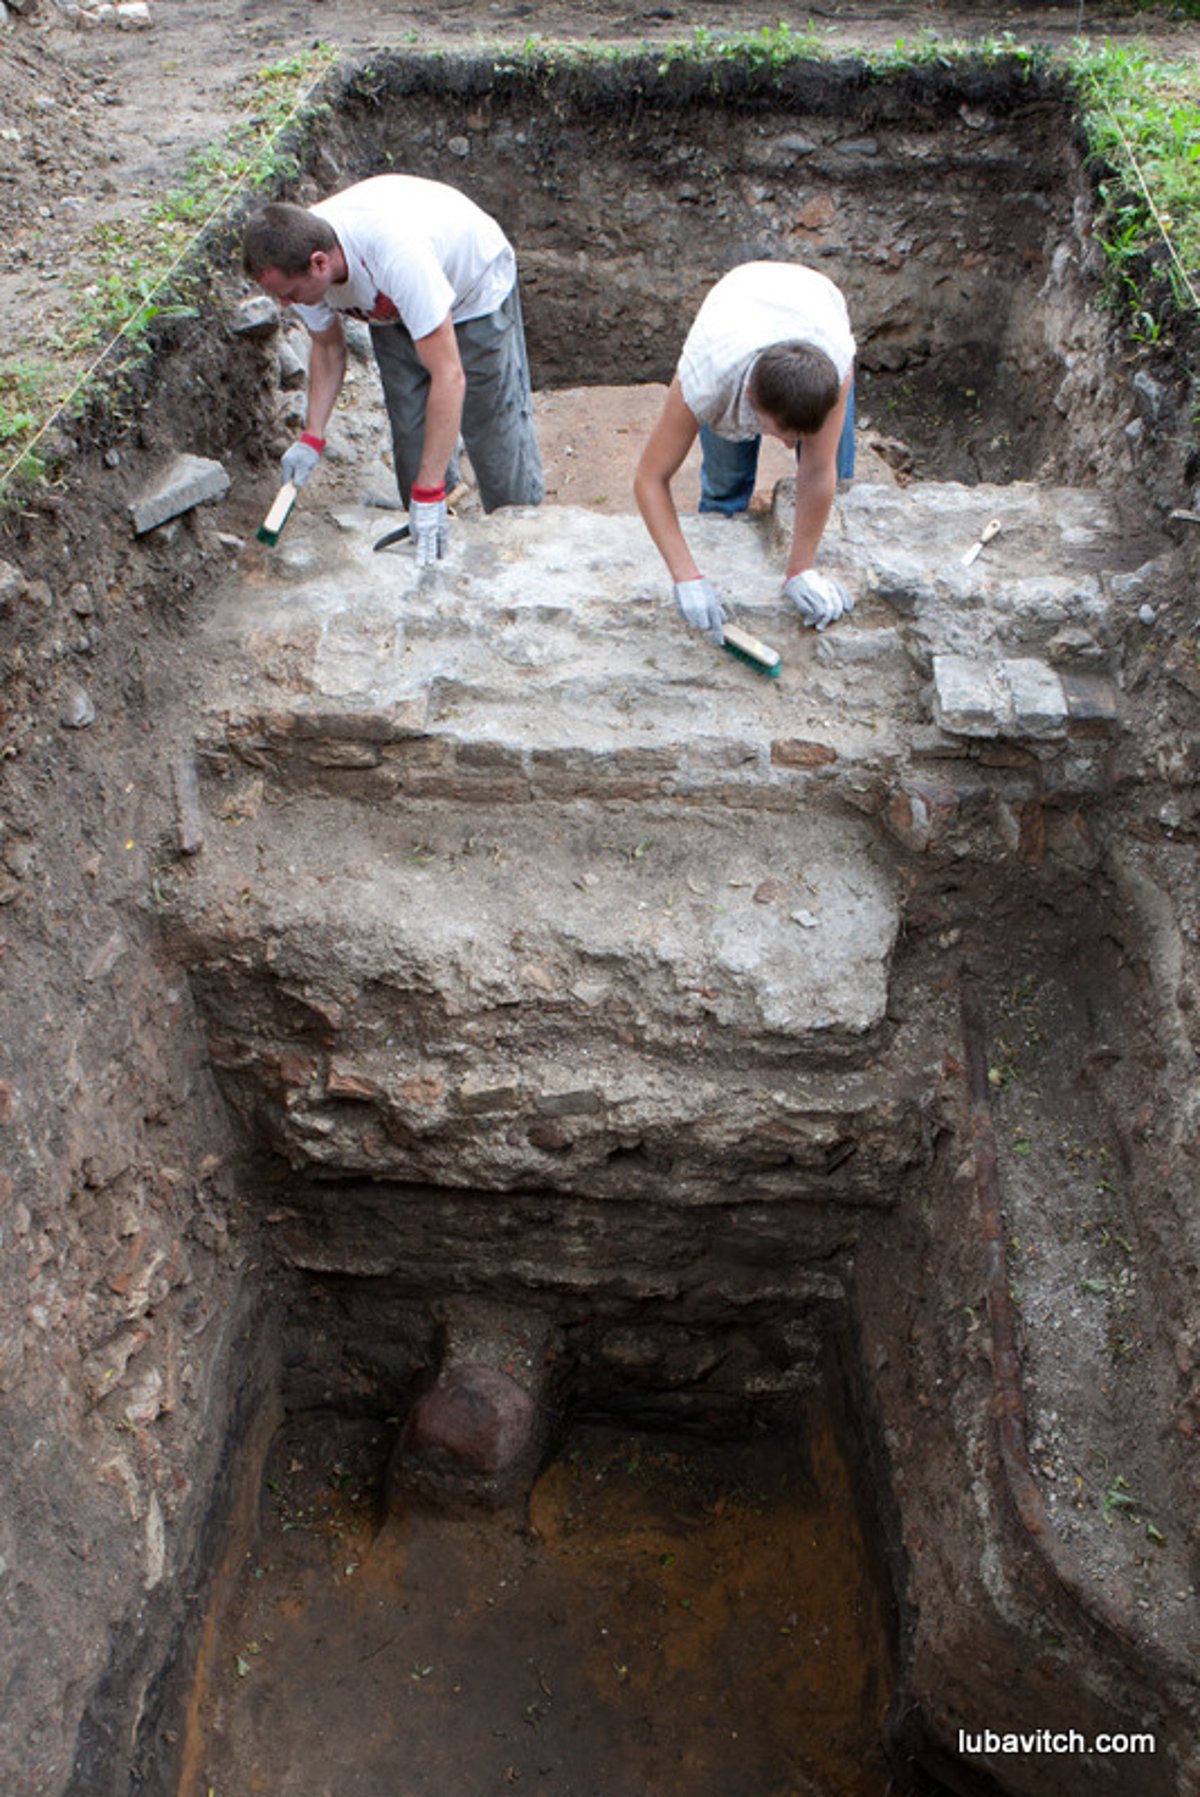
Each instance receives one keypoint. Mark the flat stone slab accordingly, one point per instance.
(469, 998)
(555, 626)
(187, 481)
(547, 625)
(775, 926)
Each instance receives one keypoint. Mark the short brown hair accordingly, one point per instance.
(280, 235)
(796, 385)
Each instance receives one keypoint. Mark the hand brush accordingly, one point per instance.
(747, 648)
(277, 517)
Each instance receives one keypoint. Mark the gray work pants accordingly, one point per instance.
(497, 415)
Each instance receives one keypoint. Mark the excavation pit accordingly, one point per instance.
(676, 1615)
(942, 202)
(555, 955)
(511, 947)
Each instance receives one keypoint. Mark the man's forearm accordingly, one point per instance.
(657, 507)
(814, 502)
(326, 372)
(443, 419)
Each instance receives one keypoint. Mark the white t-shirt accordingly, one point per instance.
(749, 309)
(415, 250)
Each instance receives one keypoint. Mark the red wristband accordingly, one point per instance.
(429, 495)
(317, 443)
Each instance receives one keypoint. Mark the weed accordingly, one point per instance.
(1118, 1497)
(1142, 122)
(773, 48)
(138, 276)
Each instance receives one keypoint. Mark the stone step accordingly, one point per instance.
(600, 1001)
(509, 880)
(544, 658)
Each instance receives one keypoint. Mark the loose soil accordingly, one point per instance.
(674, 1617)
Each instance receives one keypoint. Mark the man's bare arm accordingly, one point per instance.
(443, 410)
(816, 486)
(326, 372)
(668, 445)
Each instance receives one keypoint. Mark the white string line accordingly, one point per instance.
(165, 277)
(1149, 199)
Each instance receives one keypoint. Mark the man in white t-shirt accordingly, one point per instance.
(770, 353)
(436, 280)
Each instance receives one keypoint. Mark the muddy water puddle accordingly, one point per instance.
(675, 1617)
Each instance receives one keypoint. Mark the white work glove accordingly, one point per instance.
(429, 525)
(818, 599)
(699, 606)
(299, 461)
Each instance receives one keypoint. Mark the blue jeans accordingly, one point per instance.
(729, 468)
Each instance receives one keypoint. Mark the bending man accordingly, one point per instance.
(770, 352)
(436, 280)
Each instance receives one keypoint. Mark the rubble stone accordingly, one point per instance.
(187, 481)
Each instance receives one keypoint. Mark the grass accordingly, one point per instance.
(1141, 120)
(144, 270)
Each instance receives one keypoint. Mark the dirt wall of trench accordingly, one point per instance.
(953, 208)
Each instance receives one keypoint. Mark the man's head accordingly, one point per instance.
(793, 388)
(291, 253)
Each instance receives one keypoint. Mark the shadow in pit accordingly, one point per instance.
(675, 1611)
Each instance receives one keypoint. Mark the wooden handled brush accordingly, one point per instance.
(277, 517)
(747, 648)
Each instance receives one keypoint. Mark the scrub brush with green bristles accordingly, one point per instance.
(747, 648)
(280, 512)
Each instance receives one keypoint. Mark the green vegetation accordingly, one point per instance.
(144, 270)
(1143, 126)
(774, 47)
(24, 386)
(1141, 121)
(27, 388)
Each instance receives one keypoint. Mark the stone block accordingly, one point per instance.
(927, 742)
(744, 796)
(256, 316)
(720, 756)
(342, 754)
(920, 814)
(471, 1435)
(186, 482)
(13, 584)
(481, 1094)
(612, 773)
(421, 755)
(189, 814)
(1007, 755)
(489, 773)
(493, 757)
(849, 648)
(970, 698)
(293, 370)
(792, 751)
(478, 1434)
(579, 1101)
(1091, 700)
(343, 1082)
(1038, 701)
